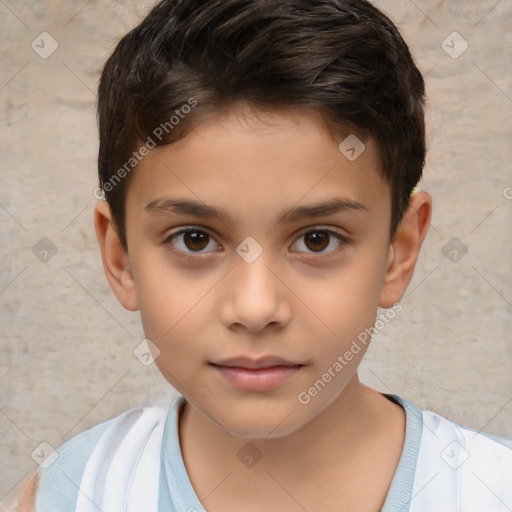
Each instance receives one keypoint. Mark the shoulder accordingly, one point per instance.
(473, 468)
(476, 443)
(59, 484)
(434, 429)
(446, 466)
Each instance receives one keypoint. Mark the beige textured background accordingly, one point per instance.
(67, 346)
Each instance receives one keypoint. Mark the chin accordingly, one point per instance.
(258, 424)
(260, 431)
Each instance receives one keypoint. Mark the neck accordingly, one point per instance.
(343, 440)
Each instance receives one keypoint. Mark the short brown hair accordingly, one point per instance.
(190, 58)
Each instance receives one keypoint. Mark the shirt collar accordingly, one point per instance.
(177, 493)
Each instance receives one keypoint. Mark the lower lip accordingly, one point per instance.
(262, 379)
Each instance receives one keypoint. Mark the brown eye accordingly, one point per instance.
(320, 241)
(195, 240)
(317, 240)
(192, 241)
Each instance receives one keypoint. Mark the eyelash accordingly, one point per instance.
(192, 255)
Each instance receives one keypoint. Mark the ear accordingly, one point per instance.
(115, 259)
(405, 247)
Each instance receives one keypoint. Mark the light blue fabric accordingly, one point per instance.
(176, 491)
(59, 485)
(400, 492)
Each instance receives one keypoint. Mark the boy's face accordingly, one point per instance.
(305, 298)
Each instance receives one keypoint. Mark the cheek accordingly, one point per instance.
(347, 300)
(171, 304)
(167, 314)
(164, 294)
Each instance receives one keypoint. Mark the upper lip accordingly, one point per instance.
(254, 364)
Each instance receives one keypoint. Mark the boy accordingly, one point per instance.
(259, 162)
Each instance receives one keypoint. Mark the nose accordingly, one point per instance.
(254, 297)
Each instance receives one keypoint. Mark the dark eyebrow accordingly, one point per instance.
(198, 209)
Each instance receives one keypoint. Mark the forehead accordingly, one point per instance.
(256, 163)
